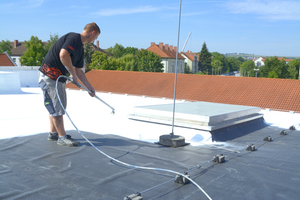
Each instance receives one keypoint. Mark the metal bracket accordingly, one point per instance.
(292, 128)
(136, 196)
(268, 139)
(219, 158)
(283, 133)
(181, 179)
(250, 147)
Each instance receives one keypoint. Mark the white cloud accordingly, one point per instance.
(268, 9)
(126, 11)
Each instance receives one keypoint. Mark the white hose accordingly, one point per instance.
(133, 166)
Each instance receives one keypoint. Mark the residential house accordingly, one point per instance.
(168, 56)
(286, 60)
(19, 49)
(97, 48)
(191, 60)
(6, 60)
(259, 62)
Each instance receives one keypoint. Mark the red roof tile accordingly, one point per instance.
(191, 55)
(164, 51)
(279, 94)
(5, 61)
(287, 60)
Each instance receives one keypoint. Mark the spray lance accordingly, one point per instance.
(81, 86)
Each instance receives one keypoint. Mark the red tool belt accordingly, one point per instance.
(51, 72)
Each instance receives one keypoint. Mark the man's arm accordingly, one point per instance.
(65, 58)
(85, 81)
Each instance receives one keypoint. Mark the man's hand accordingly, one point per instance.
(74, 78)
(93, 92)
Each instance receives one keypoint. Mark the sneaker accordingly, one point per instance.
(67, 141)
(53, 136)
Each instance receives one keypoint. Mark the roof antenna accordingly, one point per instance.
(186, 41)
(172, 140)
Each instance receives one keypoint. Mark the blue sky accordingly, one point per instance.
(263, 27)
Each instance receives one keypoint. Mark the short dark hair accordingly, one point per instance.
(92, 27)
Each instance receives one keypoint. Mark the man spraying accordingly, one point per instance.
(65, 57)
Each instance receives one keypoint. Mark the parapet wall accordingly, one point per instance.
(29, 75)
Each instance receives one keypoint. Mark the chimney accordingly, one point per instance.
(167, 47)
(16, 43)
(171, 48)
(98, 43)
(161, 45)
(175, 49)
(152, 43)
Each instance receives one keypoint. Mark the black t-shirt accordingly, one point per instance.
(52, 66)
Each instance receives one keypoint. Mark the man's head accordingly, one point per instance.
(90, 32)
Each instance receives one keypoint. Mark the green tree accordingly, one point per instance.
(273, 64)
(5, 46)
(296, 63)
(34, 54)
(187, 69)
(131, 50)
(223, 60)
(88, 52)
(99, 61)
(272, 74)
(241, 59)
(247, 68)
(130, 62)
(234, 63)
(117, 51)
(53, 39)
(217, 66)
(204, 63)
(147, 61)
(292, 69)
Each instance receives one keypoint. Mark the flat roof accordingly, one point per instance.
(34, 168)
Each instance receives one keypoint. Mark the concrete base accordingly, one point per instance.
(172, 141)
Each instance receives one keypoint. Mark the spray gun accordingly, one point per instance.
(81, 86)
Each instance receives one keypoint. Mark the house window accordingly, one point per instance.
(14, 59)
(258, 64)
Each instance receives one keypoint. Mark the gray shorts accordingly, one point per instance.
(51, 100)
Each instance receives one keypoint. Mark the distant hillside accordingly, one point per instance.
(245, 55)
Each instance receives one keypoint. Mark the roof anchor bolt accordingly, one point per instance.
(181, 179)
(250, 147)
(283, 133)
(219, 158)
(292, 128)
(268, 139)
(136, 196)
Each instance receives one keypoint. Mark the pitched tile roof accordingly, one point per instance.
(97, 48)
(287, 60)
(190, 55)
(164, 51)
(278, 94)
(5, 60)
(18, 48)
